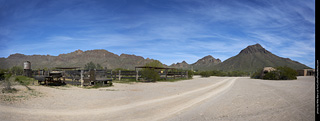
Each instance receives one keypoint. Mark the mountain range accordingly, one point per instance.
(77, 58)
(249, 59)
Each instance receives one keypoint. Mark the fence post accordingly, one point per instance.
(81, 79)
(137, 75)
(110, 74)
(166, 73)
(187, 76)
(119, 75)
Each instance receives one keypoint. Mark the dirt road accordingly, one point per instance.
(214, 98)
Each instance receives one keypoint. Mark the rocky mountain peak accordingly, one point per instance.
(184, 62)
(17, 55)
(127, 56)
(256, 48)
(208, 59)
(78, 51)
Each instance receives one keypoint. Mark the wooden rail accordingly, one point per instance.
(137, 75)
(93, 77)
(75, 77)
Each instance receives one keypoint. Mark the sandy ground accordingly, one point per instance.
(214, 98)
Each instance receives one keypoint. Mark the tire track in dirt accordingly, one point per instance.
(293, 106)
(214, 90)
(198, 95)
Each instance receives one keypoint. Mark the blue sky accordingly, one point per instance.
(167, 30)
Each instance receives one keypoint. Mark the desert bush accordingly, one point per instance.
(16, 70)
(205, 74)
(2, 74)
(23, 80)
(287, 73)
(281, 73)
(190, 74)
(272, 75)
(7, 84)
(257, 74)
(222, 73)
(91, 66)
(151, 74)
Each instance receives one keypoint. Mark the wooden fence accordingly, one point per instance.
(75, 77)
(93, 77)
(137, 75)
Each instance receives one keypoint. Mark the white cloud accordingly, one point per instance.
(183, 30)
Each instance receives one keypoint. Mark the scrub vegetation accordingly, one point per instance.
(280, 73)
(222, 73)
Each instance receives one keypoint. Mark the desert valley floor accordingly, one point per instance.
(198, 99)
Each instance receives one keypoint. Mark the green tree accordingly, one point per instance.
(151, 74)
(90, 66)
(99, 66)
(16, 70)
(154, 63)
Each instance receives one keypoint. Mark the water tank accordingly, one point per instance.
(26, 65)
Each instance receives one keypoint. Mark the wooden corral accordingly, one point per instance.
(74, 76)
(165, 73)
(70, 75)
(49, 77)
(94, 77)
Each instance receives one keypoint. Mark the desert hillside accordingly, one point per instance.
(249, 59)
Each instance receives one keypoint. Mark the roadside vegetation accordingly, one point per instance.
(190, 74)
(91, 66)
(9, 82)
(2, 74)
(222, 73)
(151, 74)
(280, 73)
